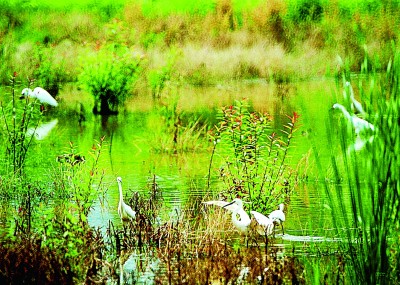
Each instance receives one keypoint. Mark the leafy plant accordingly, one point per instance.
(48, 73)
(109, 75)
(254, 155)
(17, 119)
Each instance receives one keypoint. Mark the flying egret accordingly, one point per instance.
(266, 224)
(124, 211)
(39, 93)
(358, 123)
(278, 216)
(244, 221)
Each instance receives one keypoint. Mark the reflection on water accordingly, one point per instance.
(42, 131)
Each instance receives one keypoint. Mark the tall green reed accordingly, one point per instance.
(365, 201)
(17, 118)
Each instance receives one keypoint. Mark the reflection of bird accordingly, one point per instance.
(39, 93)
(359, 124)
(244, 221)
(41, 131)
(266, 224)
(278, 216)
(124, 211)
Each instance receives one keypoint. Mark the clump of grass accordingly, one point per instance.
(369, 213)
(205, 251)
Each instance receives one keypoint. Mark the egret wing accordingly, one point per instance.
(263, 221)
(129, 211)
(44, 96)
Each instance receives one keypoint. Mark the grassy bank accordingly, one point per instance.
(200, 43)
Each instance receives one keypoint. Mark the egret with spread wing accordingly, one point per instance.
(244, 221)
(236, 207)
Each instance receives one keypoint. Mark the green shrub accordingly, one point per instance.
(254, 155)
(109, 75)
(48, 73)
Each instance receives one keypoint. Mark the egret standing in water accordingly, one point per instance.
(360, 125)
(278, 216)
(125, 212)
(39, 93)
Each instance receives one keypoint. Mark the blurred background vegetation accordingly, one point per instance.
(205, 41)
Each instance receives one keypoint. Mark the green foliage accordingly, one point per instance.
(306, 11)
(51, 224)
(175, 131)
(255, 156)
(17, 118)
(48, 73)
(109, 75)
(366, 203)
(157, 78)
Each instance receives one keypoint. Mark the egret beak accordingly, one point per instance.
(229, 204)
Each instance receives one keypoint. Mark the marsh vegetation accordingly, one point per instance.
(196, 101)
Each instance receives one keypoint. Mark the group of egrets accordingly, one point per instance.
(360, 125)
(265, 223)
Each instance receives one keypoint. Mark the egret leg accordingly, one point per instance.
(283, 232)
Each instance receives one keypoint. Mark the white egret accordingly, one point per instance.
(355, 104)
(244, 221)
(278, 216)
(266, 224)
(124, 211)
(359, 124)
(39, 93)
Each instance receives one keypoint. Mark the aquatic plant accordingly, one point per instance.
(17, 117)
(254, 155)
(158, 78)
(368, 210)
(108, 75)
